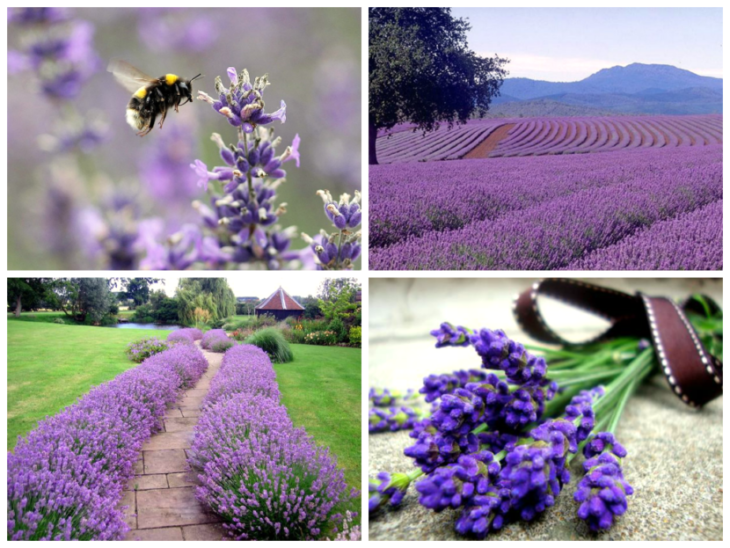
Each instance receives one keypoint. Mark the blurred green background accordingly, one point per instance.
(312, 57)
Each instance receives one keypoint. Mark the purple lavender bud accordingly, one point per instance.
(580, 409)
(454, 485)
(500, 352)
(228, 157)
(643, 345)
(393, 419)
(602, 491)
(387, 490)
(435, 386)
(448, 335)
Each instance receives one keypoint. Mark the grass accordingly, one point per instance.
(321, 390)
(51, 365)
(51, 317)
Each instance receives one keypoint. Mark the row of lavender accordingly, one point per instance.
(412, 199)
(560, 136)
(543, 214)
(265, 478)
(540, 136)
(65, 479)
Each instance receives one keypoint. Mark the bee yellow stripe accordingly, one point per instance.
(141, 93)
(170, 79)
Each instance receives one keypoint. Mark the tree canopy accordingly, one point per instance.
(209, 294)
(422, 71)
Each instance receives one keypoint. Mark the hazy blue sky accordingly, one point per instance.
(567, 44)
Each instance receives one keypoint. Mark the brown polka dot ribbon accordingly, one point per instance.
(694, 375)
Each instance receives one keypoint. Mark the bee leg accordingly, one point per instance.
(164, 114)
(160, 96)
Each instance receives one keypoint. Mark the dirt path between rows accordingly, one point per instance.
(161, 496)
(483, 149)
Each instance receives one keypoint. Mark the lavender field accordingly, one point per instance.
(541, 136)
(653, 203)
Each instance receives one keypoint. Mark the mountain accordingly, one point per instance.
(636, 88)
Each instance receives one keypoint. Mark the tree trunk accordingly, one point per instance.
(18, 307)
(372, 137)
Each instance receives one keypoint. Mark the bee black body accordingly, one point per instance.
(153, 100)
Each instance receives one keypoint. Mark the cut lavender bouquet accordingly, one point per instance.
(498, 443)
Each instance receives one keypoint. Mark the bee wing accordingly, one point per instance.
(129, 77)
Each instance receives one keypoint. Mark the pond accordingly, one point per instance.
(133, 325)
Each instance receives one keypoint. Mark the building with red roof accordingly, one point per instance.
(280, 305)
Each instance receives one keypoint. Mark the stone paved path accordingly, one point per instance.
(161, 496)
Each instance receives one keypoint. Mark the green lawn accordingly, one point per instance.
(51, 317)
(51, 365)
(321, 389)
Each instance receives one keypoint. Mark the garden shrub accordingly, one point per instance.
(355, 335)
(213, 337)
(273, 343)
(264, 320)
(221, 345)
(66, 478)
(295, 336)
(266, 479)
(322, 338)
(141, 350)
(338, 327)
(187, 334)
(143, 314)
(59, 321)
(217, 324)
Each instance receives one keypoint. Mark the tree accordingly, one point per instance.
(26, 292)
(338, 304)
(330, 288)
(422, 71)
(211, 294)
(81, 298)
(138, 289)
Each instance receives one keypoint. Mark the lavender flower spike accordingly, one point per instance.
(603, 490)
(448, 335)
(387, 490)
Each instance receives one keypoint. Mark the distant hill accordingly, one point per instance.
(633, 89)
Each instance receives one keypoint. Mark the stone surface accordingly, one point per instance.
(168, 440)
(183, 479)
(143, 483)
(675, 453)
(161, 497)
(128, 500)
(169, 507)
(167, 533)
(164, 461)
(190, 411)
(208, 531)
(180, 424)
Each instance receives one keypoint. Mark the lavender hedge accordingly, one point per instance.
(65, 479)
(216, 340)
(265, 478)
(187, 334)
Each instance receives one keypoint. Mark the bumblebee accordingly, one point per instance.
(151, 97)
